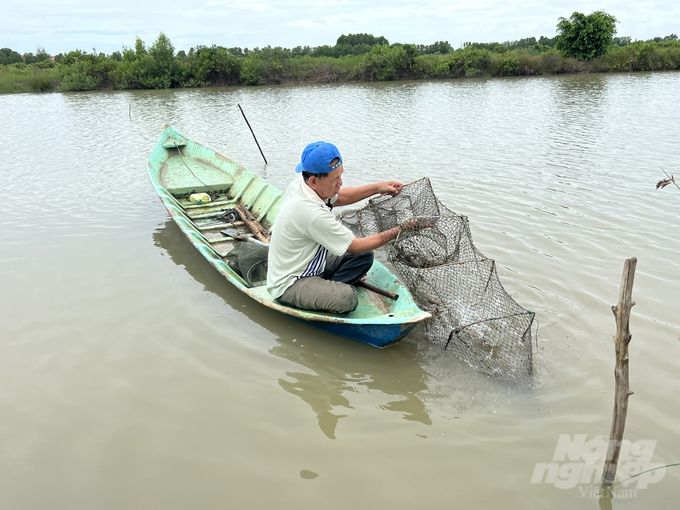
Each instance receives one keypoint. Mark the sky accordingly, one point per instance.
(60, 26)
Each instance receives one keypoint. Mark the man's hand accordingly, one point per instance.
(390, 188)
(348, 196)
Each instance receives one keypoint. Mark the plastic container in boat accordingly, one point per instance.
(200, 198)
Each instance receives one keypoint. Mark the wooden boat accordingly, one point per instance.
(179, 167)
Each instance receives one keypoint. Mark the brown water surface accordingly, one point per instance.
(133, 376)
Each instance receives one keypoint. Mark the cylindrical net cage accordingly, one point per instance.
(472, 314)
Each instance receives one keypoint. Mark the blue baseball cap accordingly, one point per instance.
(317, 157)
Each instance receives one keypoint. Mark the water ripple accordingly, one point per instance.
(119, 341)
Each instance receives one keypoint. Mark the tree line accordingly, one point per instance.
(583, 43)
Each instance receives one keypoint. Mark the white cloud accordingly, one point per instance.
(65, 25)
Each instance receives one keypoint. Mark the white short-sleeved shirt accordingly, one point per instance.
(304, 232)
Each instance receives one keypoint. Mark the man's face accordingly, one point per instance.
(327, 187)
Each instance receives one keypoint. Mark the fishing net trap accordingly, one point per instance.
(472, 314)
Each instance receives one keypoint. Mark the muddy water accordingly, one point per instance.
(133, 376)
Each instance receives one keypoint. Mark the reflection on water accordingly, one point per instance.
(322, 395)
(335, 377)
(337, 372)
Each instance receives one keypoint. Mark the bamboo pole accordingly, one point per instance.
(622, 392)
(253, 133)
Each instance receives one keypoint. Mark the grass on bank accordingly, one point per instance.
(26, 78)
(639, 56)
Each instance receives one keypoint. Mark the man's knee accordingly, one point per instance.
(315, 293)
(367, 260)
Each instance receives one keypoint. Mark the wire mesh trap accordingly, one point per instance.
(249, 261)
(472, 314)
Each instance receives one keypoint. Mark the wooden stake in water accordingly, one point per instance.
(622, 392)
(251, 130)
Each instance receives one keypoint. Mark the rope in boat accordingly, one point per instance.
(179, 151)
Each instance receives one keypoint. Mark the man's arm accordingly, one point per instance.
(347, 196)
(364, 244)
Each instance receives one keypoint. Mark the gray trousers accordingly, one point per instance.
(322, 293)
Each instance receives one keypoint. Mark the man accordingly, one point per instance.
(313, 259)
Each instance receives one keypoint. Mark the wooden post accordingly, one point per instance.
(621, 341)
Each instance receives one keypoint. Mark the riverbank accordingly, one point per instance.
(216, 66)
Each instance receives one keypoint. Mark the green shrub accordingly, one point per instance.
(155, 68)
(432, 66)
(639, 56)
(41, 83)
(404, 59)
(164, 70)
(645, 56)
(78, 76)
(470, 62)
(214, 65)
(378, 64)
(551, 62)
(252, 69)
(322, 69)
(570, 65)
(386, 63)
(82, 71)
(670, 56)
(618, 58)
(600, 65)
(275, 63)
(504, 64)
(44, 64)
(441, 69)
(530, 64)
